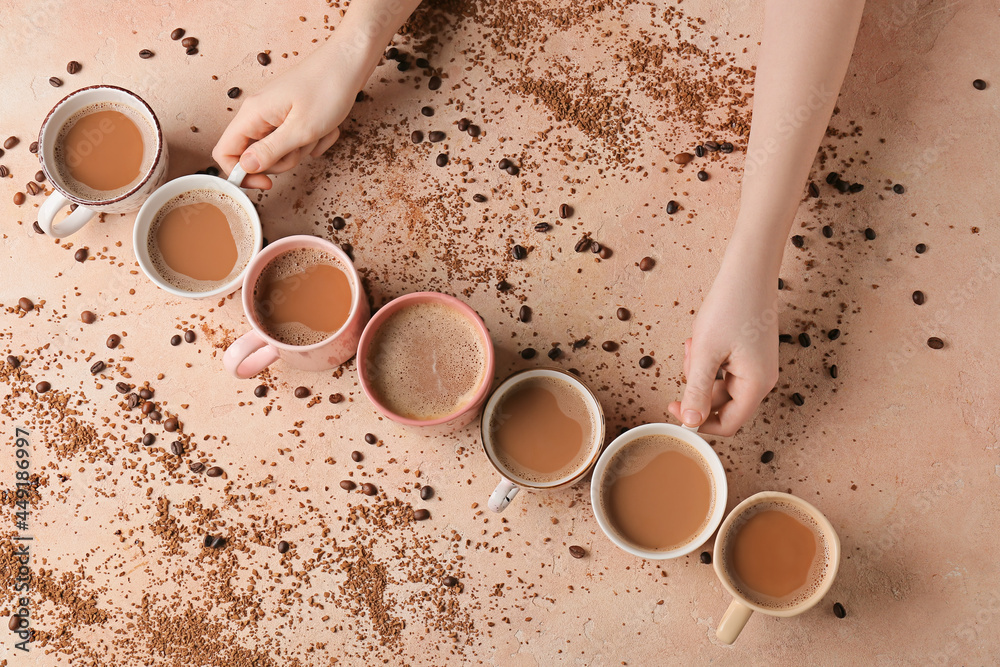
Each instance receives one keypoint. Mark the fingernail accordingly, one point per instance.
(692, 417)
(250, 163)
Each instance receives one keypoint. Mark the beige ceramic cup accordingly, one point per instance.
(740, 609)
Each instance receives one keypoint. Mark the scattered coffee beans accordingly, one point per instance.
(609, 346)
(19, 198)
(450, 581)
(838, 610)
(555, 353)
(416, 136)
(833, 371)
(170, 424)
(80, 255)
(646, 264)
(369, 489)
(870, 234)
(481, 198)
(436, 136)
(145, 394)
(833, 334)
(898, 189)
(214, 471)
(370, 438)
(979, 84)
(565, 211)
(189, 336)
(434, 83)
(918, 298)
(623, 314)
(427, 111)
(26, 304)
(703, 176)
(582, 245)
(524, 315)
(42, 387)
(282, 547)
(13, 361)
(233, 92)
(519, 252)
(32, 188)
(177, 33)
(705, 558)
(426, 493)
(528, 353)
(10, 142)
(646, 361)
(263, 59)
(113, 341)
(73, 67)
(339, 222)
(935, 343)
(148, 439)
(798, 241)
(813, 190)
(672, 207)
(348, 485)
(260, 391)
(683, 158)
(577, 551)
(188, 42)
(197, 467)
(712, 145)
(175, 340)
(767, 456)
(334, 398)
(356, 456)
(55, 81)
(302, 392)
(797, 399)
(97, 367)
(473, 131)
(441, 160)
(146, 54)
(920, 248)
(804, 340)
(421, 514)
(15, 623)
(177, 448)
(827, 231)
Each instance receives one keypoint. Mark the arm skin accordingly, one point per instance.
(805, 51)
(299, 113)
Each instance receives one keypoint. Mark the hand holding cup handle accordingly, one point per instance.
(502, 495)
(71, 224)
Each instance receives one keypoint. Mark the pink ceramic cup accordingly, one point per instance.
(467, 412)
(255, 350)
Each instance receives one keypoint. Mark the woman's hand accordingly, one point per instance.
(736, 331)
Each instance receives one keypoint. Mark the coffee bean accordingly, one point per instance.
(672, 207)
(191, 51)
(813, 190)
(336, 398)
(113, 341)
(646, 361)
(827, 231)
(42, 387)
(918, 298)
(781, 284)
(214, 471)
(699, 151)
(145, 54)
(435, 136)
(426, 493)
(170, 424)
(38, 230)
(646, 264)
(577, 551)
(555, 353)
(177, 448)
(188, 42)
(528, 353)
(40, 176)
(347, 485)
(898, 189)
(524, 314)
(177, 33)
(683, 158)
(233, 92)
(767, 456)
(935, 343)
(422, 63)
(577, 344)
(503, 163)
(920, 248)
(392, 53)
(623, 314)
(784, 338)
(421, 514)
(360, 97)
(218, 542)
(519, 252)
(727, 147)
(979, 84)
(80, 255)
(302, 392)
(605, 253)
(833, 371)
(450, 581)
(339, 223)
(833, 334)
(13, 361)
(263, 59)
(97, 367)
(402, 66)
(427, 111)
(208, 540)
(73, 67)
(55, 81)
(123, 387)
(513, 170)
(473, 131)
(565, 211)
(416, 136)
(145, 394)
(189, 336)
(15, 623)
(583, 244)
(19, 198)
(595, 247)
(441, 160)
(870, 234)
(855, 188)
(282, 547)
(434, 83)
(10, 142)
(154, 415)
(26, 304)
(797, 399)
(32, 188)
(838, 610)
(705, 557)
(503, 286)
(798, 241)
(148, 439)
(609, 346)
(133, 401)
(197, 467)
(712, 145)
(4, 172)
(356, 456)
(481, 198)
(703, 176)
(804, 340)
(260, 391)
(369, 489)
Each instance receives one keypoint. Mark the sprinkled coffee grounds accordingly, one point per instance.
(577, 551)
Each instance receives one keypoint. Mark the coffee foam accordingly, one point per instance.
(284, 265)
(148, 153)
(452, 348)
(239, 225)
(635, 455)
(817, 572)
(573, 404)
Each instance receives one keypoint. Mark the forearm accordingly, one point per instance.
(805, 50)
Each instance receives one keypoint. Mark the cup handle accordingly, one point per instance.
(248, 355)
(237, 175)
(502, 495)
(71, 224)
(732, 622)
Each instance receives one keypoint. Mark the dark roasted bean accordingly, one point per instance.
(171, 424)
(798, 241)
(402, 66)
(441, 160)
(699, 151)
(646, 361)
(189, 336)
(503, 163)
(416, 136)
(177, 448)
(191, 51)
(197, 467)
(282, 547)
(870, 234)
(833, 334)
(177, 33)
(422, 63)
(369, 489)
(148, 439)
(97, 367)
(123, 387)
(605, 252)
(935, 343)
(80, 255)
(842, 186)
(32, 188)
(42, 387)
(426, 493)
(145, 394)
(435, 136)
(450, 581)
(4, 171)
(583, 244)
(175, 340)
(518, 252)
(73, 67)
(855, 188)
(348, 485)
(524, 314)
(672, 207)
(767, 456)
(427, 111)
(421, 514)
(832, 178)
(133, 401)
(113, 341)
(555, 353)
(55, 81)
(784, 338)
(712, 145)
(918, 298)
(920, 248)
(705, 557)
(481, 198)
(727, 147)
(565, 211)
(646, 264)
(214, 471)
(583, 342)
(838, 610)
(233, 92)
(595, 247)
(146, 54)
(473, 131)
(154, 415)
(833, 371)
(827, 231)
(10, 142)
(528, 353)
(609, 346)
(336, 398)
(804, 340)
(503, 286)
(302, 392)
(339, 222)
(513, 170)
(356, 456)
(703, 175)
(13, 361)
(218, 542)
(577, 551)
(898, 189)
(188, 42)
(19, 198)
(26, 304)
(797, 399)
(260, 391)
(979, 84)
(263, 59)
(781, 284)
(370, 438)
(813, 190)
(434, 82)
(623, 314)
(15, 623)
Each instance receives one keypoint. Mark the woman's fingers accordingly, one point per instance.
(323, 145)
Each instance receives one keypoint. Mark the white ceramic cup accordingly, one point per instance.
(717, 474)
(512, 483)
(178, 186)
(62, 195)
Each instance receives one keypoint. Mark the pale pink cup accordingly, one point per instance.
(463, 415)
(255, 350)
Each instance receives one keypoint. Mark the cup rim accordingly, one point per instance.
(144, 219)
(397, 304)
(830, 535)
(262, 257)
(520, 376)
(690, 437)
(97, 203)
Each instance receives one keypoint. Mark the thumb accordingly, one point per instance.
(263, 154)
(696, 404)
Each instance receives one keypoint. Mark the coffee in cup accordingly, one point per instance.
(200, 240)
(542, 429)
(775, 554)
(659, 491)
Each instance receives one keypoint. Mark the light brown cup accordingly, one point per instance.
(740, 609)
